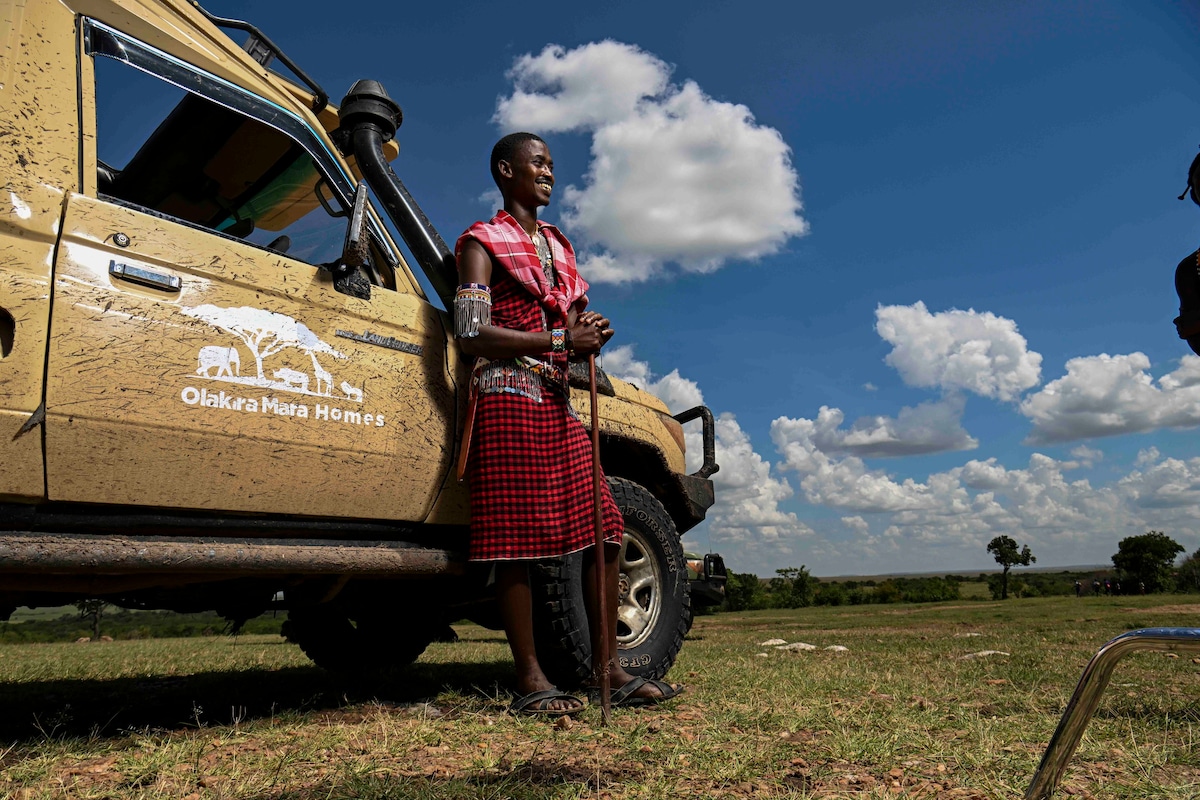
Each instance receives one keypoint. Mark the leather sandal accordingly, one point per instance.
(537, 704)
(623, 697)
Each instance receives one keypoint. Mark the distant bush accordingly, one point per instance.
(927, 590)
(1042, 584)
(791, 586)
(831, 594)
(125, 624)
(795, 588)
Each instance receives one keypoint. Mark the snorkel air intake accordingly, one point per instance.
(370, 118)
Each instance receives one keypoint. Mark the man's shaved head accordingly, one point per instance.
(507, 148)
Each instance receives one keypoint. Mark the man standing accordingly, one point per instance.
(520, 310)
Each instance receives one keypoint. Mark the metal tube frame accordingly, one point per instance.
(1087, 697)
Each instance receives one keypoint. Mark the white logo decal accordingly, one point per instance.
(265, 334)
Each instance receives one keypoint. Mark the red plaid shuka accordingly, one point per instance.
(511, 248)
(530, 466)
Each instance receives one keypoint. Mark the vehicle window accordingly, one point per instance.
(182, 155)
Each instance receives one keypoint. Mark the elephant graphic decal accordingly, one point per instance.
(225, 360)
(269, 335)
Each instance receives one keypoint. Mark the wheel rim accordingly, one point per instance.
(640, 592)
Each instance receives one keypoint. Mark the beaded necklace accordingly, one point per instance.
(545, 256)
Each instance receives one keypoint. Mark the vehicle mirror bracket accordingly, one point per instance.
(347, 277)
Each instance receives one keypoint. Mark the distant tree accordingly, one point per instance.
(1004, 549)
(92, 610)
(743, 591)
(1147, 559)
(1188, 577)
(794, 588)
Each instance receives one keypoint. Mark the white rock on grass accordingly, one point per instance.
(837, 648)
(983, 654)
(763, 655)
(964, 635)
(796, 647)
(772, 642)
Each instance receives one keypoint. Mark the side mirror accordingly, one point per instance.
(347, 277)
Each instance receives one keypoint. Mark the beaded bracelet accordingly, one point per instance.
(558, 340)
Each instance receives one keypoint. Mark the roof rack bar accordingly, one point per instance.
(264, 48)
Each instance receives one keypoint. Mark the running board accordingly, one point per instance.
(33, 552)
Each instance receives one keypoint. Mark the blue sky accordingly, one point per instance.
(953, 226)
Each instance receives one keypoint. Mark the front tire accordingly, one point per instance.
(654, 610)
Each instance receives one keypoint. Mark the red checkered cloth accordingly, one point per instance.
(511, 247)
(530, 466)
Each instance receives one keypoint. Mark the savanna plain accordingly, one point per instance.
(903, 711)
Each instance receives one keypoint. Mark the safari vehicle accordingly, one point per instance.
(222, 386)
(707, 577)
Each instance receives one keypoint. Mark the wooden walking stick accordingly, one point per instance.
(600, 654)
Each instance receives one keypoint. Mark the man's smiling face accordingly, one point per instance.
(532, 174)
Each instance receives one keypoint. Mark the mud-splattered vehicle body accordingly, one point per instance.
(221, 384)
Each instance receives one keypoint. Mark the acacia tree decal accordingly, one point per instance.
(263, 332)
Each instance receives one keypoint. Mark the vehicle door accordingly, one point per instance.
(201, 357)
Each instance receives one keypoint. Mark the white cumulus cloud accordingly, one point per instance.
(978, 352)
(677, 392)
(675, 175)
(1147, 456)
(1171, 483)
(746, 519)
(1111, 395)
(930, 427)
(747, 514)
(840, 482)
(1086, 457)
(857, 524)
(585, 88)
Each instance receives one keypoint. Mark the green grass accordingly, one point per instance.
(899, 714)
(974, 590)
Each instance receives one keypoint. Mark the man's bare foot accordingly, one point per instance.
(539, 696)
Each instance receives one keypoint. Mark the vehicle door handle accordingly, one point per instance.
(146, 277)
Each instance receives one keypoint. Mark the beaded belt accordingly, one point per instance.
(521, 376)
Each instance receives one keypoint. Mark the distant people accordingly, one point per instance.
(1095, 586)
(1078, 589)
(1141, 587)
(1117, 587)
(1107, 586)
